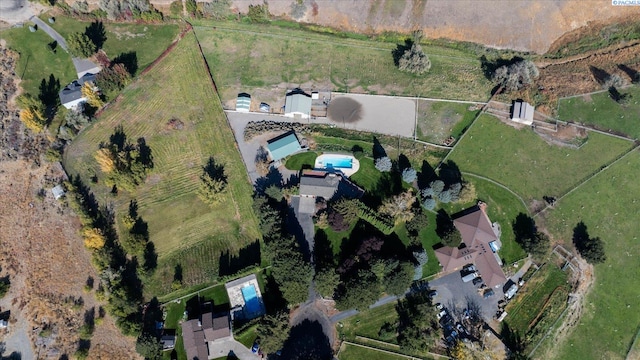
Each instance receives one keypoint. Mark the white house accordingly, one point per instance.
(71, 95)
(297, 104)
(522, 112)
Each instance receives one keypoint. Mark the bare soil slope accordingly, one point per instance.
(531, 25)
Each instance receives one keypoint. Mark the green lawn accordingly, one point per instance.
(601, 111)
(298, 161)
(532, 297)
(368, 323)
(248, 336)
(37, 62)
(251, 56)
(607, 204)
(175, 313)
(185, 231)
(439, 120)
(524, 162)
(367, 176)
(354, 352)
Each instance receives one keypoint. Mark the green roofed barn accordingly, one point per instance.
(284, 145)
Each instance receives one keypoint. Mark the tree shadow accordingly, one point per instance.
(272, 296)
(599, 75)
(293, 227)
(307, 340)
(378, 149)
(96, 33)
(49, 96)
(129, 60)
(512, 339)
(631, 73)
(489, 67)
(152, 316)
(450, 173)
(524, 227)
(118, 138)
(150, 258)
(426, 175)
(400, 50)
(144, 153)
(177, 273)
(580, 236)
(273, 177)
(53, 46)
(133, 208)
(249, 255)
(403, 162)
(444, 223)
(323, 251)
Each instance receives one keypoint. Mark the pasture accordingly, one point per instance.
(254, 57)
(186, 231)
(607, 204)
(439, 120)
(355, 352)
(525, 163)
(602, 112)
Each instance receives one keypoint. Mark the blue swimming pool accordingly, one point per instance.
(344, 162)
(251, 301)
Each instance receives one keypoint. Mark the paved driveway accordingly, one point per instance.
(452, 292)
(222, 347)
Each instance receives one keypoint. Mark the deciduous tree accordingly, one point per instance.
(80, 45)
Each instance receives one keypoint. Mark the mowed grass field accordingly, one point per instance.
(604, 113)
(245, 57)
(608, 204)
(355, 352)
(525, 163)
(185, 230)
(37, 62)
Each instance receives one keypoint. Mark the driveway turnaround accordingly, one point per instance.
(453, 293)
(223, 347)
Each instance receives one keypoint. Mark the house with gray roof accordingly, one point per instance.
(297, 104)
(197, 333)
(71, 95)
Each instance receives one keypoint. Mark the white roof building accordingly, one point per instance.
(522, 112)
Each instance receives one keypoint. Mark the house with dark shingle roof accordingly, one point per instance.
(479, 246)
(196, 334)
(71, 95)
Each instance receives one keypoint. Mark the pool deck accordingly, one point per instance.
(234, 289)
(355, 164)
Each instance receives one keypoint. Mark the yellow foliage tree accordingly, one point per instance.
(33, 119)
(104, 157)
(93, 238)
(399, 207)
(92, 96)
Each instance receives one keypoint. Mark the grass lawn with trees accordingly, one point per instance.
(354, 352)
(606, 204)
(37, 61)
(524, 162)
(185, 230)
(264, 56)
(439, 120)
(368, 323)
(603, 112)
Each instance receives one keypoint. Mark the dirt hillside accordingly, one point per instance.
(42, 253)
(526, 25)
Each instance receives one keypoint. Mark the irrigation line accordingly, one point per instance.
(500, 185)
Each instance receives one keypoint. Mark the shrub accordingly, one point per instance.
(421, 259)
(80, 45)
(217, 9)
(429, 203)
(176, 8)
(414, 60)
(383, 164)
(613, 80)
(337, 221)
(80, 6)
(348, 208)
(445, 197)
(468, 193)
(399, 207)
(419, 222)
(379, 222)
(437, 186)
(452, 238)
(409, 175)
(259, 13)
(516, 76)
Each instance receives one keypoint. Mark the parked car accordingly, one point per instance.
(489, 293)
(433, 293)
(255, 348)
(470, 268)
(477, 281)
(469, 277)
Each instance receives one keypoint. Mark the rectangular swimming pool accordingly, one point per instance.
(337, 162)
(251, 301)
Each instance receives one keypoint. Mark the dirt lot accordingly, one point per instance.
(532, 25)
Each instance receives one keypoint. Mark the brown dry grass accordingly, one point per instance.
(44, 256)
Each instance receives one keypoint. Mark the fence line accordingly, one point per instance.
(500, 185)
(395, 353)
